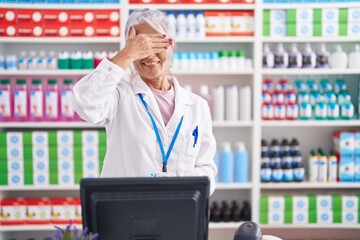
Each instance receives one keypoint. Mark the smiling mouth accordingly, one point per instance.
(151, 63)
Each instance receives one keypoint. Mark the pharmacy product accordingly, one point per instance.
(338, 58)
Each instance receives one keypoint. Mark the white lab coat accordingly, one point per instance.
(103, 98)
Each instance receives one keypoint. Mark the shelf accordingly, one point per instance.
(233, 124)
(314, 5)
(233, 186)
(60, 6)
(311, 123)
(310, 185)
(183, 7)
(33, 228)
(307, 71)
(38, 72)
(48, 125)
(39, 188)
(223, 225)
(228, 39)
(59, 40)
(309, 39)
(209, 72)
(311, 226)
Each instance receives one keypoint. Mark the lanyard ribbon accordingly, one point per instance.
(165, 157)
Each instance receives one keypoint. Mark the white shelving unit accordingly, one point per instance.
(251, 132)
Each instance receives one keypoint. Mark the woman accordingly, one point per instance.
(154, 127)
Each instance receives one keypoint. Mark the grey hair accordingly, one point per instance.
(154, 17)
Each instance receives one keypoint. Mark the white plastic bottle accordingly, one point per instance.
(200, 25)
(52, 61)
(218, 93)
(11, 62)
(172, 22)
(204, 92)
(245, 103)
(268, 57)
(281, 58)
(32, 60)
(176, 62)
(42, 60)
(309, 57)
(192, 61)
(22, 61)
(354, 58)
(191, 24)
(241, 61)
(295, 57)
(184, 61)
(338, 58)
(322, 57)
(231, 103)
(181, 25)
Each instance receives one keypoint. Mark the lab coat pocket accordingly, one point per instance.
(188, 160)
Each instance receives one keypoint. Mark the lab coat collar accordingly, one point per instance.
(182, 98)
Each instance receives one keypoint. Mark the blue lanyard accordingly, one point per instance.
(164, 157)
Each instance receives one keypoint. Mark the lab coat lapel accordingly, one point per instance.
(182, 100)
(139, 86)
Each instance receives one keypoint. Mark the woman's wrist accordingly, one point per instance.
(122, 59)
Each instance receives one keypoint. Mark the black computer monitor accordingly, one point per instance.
(166, 208)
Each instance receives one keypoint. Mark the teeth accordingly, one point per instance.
(150, 63)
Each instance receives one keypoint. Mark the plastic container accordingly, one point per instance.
(219, 103)
(322, 57)
(67, 112)
(295, 57)
(11, 62)
(172, 22)
(20, 101)
(52, 61)
(241, 163)
(99, 56)
(75, 60)
(226, 164)
(52, 101)
(245, 103)
(63, 60)
(191, 24)
(231, 103)
(354, 58)
(268, 57)
(309, 57)
(22, 61)
(204, 92)
(87, 60)
(241, 61)
(36, 100)
(338, 58)
(181, 25)
(281, 57)
(200, 25)
(5, 100)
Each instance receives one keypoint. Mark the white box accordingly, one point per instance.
(14, 138)
(300, 217)
(276, 217)
(66, 165)
(90, 152)
(40, 152)
(40, 165)
(65, 138)
(14, 213)
(350, 203)
(15, 152)
(330, 29)
(354, 29)
(90, 166)
(15, 166)
(304, 15)
(39, 212)
(15, 179)
(276, 203)
(90, 138)
(66, 178)
(324, 216)
(349, 217)
(278, 30)
(90, 174)
(323, 202)
(41, 178)
(65, 152)
(354, 15)
(300, 203)
(330, 15)
(40, 138)
(304, 30)
(277, 16)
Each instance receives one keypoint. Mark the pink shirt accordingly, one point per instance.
(166, 102)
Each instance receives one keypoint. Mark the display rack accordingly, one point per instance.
(251, 131)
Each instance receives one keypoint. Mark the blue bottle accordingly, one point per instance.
(241, 163)
(217, 163)
(226, 164)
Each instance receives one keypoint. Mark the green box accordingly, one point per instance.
(288, 203)
(312, 202)
(343, 29)
(3, 179)
(27, 139)
(266, 30)
(291, 30)
(288, 217)
(266, 17)
(77, 138)
(343, 15)
(317, 16)
(264, 217)
(3, 153)
(337, 202)
(264, 203)
(291, 16)
(317, 29)
(312, 217)
(337, 217)
(28, 153)
(3, 166)
(28, 178)
(52, 139)
(78, 177)
(102, 137)
(53, 178)
(3, 142)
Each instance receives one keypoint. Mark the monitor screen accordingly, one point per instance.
(166, 208)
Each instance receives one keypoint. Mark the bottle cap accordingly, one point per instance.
(240, 53)
(20, 81)
(68, 81)
(223, 53)
(232, 53)
(4, 81)
(204, 90)
(240, 146)
(266, 48)
(36, 81)
(226, 146)
(338, 48)
(52, 81)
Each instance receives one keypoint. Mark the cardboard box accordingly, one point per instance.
(300, 203)
(66, 178)
(304, 29)
(13, 211)
(278, 30)
(41, 178)
(276, 203)
(65, 152)
(66, 165)
(218, 23)
(277, 16)
(40, 138)
(90, 137)
(324, 202)
(15, 179)
(40, 152)
(276, 217)
(324, 216)
(304, 15)
(90, 152)
(15, 165)
(14, 138)
(354, 14)
(354, 29)
(15, 152)
(41, 165)
(8, 15)
(350, 217)
(357, 157)
(29, 16)
(350, 203)
(242, 23)
(330, 29)
(65, 138)
(330, 15)
(300, 217)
